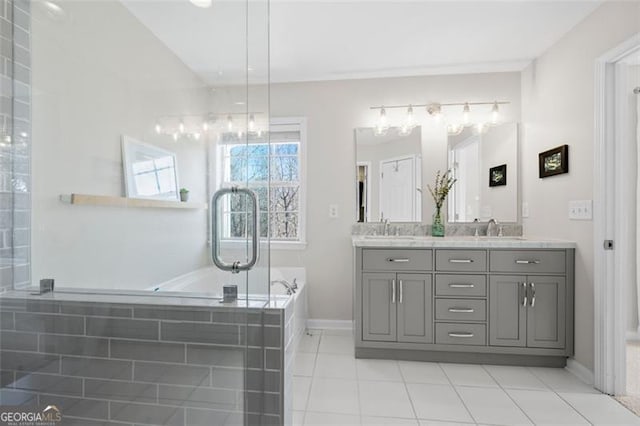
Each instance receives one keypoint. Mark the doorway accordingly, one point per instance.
(616, 195)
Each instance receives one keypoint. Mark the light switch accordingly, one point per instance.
(580, 210)
(333, 211)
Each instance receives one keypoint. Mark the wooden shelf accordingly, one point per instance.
(108, 201)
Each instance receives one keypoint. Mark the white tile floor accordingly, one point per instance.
(331, 387)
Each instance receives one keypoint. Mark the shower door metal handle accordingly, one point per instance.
(236, 266)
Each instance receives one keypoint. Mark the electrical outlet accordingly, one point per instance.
(580, 210)
(525, 209)
(333, 211)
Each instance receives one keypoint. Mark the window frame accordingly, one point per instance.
(284, 123)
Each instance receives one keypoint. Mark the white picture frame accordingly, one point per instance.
(150, 172)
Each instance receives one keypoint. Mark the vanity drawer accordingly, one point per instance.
(528, 261)
(461, 309)
(396, 260)
(461, 285)
(461, 334)
(461, 260)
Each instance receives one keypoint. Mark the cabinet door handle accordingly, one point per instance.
(393, 291)
(460, 260)
(461, 335)
(462, 310)
(524, 299)
(527, 262)
(398, 259)
(401, 290)
(533, 294)
(461, 285)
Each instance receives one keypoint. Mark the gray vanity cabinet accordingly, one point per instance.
(527, 311)
(379, 313)
(474, 305)
(397, 307)
(415, 323)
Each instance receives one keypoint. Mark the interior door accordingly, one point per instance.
(415, 323)
(379, 307)
(546, 312)
(507, 311)
(398, 189)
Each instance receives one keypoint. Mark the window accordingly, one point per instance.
(275, 172)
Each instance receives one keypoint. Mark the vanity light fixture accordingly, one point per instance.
(436, 110)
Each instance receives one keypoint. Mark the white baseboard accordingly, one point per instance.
(324, 324)
(580, 371)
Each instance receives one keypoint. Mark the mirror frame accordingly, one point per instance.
(129, 147)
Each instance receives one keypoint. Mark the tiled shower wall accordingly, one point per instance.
(125, 364)
(15, 143)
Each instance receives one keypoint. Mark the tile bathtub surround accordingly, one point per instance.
(389, 392)
(141, 364)
(418, 229)
(15, 157)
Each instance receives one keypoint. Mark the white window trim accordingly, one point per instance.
(301, 124)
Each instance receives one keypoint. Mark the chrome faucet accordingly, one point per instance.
(291, 288)
(492, 228)
(386, 227)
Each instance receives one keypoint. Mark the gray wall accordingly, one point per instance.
(15, 143)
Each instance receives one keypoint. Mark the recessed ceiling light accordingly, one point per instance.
(201, 3)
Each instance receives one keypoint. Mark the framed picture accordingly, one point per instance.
(554, 162)
(498, 175)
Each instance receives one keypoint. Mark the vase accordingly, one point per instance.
(184, 196)
(437, 225)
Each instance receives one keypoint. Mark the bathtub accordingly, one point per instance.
(208, 282)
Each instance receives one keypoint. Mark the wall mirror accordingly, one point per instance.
(485, 165)
(149, 171)
(389, 175)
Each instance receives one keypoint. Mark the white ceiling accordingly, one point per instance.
(329, 40)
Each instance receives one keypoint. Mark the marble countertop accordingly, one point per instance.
(459, 242)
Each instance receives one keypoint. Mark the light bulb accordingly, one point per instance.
(252, 123)
(480, 127)
(201, 3)
(205, 126)
(465, 114)
(196, 136)
(410, 119)
(455, 129)
(158, 128)
(495, 113)
(383, 117)
(175, 137)
(259, 133)
(229, 123)
(181, 127)
(239, 133)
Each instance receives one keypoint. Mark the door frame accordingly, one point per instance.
(613, 159)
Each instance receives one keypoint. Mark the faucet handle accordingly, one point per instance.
(500, 234)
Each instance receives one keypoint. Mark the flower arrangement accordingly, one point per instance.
(439, 192)
(441, 189)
